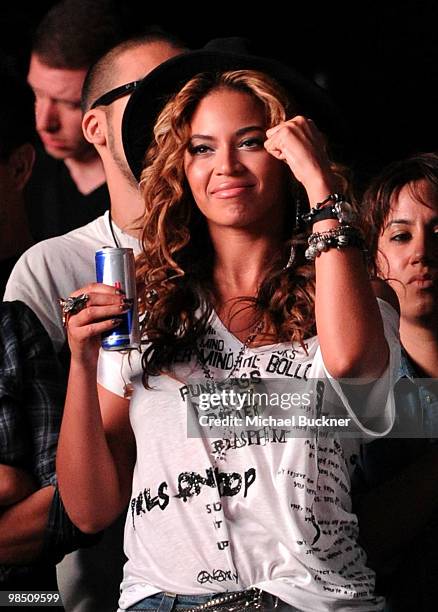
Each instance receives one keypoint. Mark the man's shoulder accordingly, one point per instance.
(19, 326)
(52, 269)
(56, 266)
(68, 245)
(11, 312)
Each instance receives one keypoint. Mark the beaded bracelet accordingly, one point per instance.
(340, 237)
(334, 231)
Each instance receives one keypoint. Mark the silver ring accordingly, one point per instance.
(72, 305)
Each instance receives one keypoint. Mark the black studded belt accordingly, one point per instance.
(239, 601)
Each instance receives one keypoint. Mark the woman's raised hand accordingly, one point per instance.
(300, 144)
(102, 306)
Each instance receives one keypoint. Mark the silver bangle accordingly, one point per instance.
(337, 238)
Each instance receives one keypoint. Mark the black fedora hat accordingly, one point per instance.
(218, 55)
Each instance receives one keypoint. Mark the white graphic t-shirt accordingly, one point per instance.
(272, 510)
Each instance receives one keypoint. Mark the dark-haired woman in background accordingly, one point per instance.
(398, 513)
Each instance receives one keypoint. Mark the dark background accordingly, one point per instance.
(378, 61)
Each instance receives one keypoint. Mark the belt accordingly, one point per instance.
(239, 601)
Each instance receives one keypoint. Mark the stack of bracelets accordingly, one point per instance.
(345, 235)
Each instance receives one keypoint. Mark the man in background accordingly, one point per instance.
(68, 187)
(35, 533)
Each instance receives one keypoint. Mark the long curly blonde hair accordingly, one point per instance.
(174, 270)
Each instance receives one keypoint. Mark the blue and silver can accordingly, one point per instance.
(116, 267)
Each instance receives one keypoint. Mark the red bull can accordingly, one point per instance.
(116, 267)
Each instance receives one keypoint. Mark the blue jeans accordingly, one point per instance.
(167, 602)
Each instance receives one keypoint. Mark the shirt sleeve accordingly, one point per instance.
(371, 407)
(32, 390)
(32, 282)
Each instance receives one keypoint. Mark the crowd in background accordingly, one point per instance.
(66, 188)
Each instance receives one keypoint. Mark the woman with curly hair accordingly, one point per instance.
(224, 515)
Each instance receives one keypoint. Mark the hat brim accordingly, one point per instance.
(169, 77)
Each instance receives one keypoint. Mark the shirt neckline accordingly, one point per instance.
(256, 349)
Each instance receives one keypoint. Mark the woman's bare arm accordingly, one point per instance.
(349, 325)
(96, 447)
